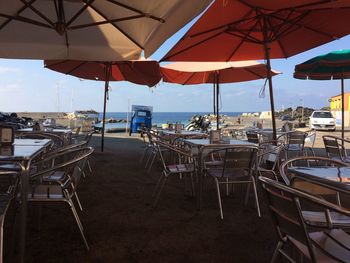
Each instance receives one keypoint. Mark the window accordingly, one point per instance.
(322, 114)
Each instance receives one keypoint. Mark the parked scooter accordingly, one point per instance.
(198, 122)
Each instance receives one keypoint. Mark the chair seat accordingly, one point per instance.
(229, 173)
(295, 147)
(320, 256)
(46, 192)
(181, 168)
(318, 219)
(214, 163)
(54, 176)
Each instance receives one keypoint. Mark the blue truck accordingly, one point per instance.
(141, 117)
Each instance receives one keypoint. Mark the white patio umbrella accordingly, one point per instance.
(100, 30)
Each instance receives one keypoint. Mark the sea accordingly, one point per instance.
(159, 118)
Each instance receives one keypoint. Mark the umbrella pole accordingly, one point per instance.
(217, 101)
(342, 109)
(214, 97)
(269, 77)
(107, 68)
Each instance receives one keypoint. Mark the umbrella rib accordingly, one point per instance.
(307, 27)
(25, 20)
(118, 28)
(191, 46)
(289, 28)
(18, 12)
(137, 11)
(242, 41)
(188, 79)
(246, 17)
(105, 22)
(249, 38)
(82, 63)
(277, 38)
(36, 11)
(254, 73)
(77, 14)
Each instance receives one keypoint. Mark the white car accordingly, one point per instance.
(322, 120)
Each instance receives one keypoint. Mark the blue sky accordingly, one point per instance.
(25, 85)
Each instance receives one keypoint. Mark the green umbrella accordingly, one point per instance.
(334, 65)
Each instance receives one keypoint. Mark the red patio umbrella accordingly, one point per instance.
(189, 73)
(254, 29)
(143, 72)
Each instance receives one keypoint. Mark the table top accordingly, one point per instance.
(23, 149)
(31, 142)
(206, 142)
(46, 130)
(183, 132)
(336, 174)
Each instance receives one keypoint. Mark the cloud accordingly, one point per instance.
(9, 88)
(4, 70)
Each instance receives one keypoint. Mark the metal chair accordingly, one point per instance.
(239, 167)
(286, 205)
(50, 190)
(57, 140)
(306, 161)
(295, 143)
(9, 180)
(185, 165)
(310, 142)
(330, 191)
(253, 137)
(269, 158)
(335, 148)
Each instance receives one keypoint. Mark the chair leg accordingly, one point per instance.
(219, 197)
(89, 165)
(78, 201)
(256, 196)
(275, 257)
(151, 164)
(143, 157)
(192, 184)
(80, 226)
(155, 190)
(161, 186)
(1, 238)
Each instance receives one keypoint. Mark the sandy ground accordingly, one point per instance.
(121, 225)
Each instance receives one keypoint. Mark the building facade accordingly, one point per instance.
(335, 107)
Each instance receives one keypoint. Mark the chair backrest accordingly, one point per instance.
(180, 152)
(237, 158)
(284, 205)
(306, 161)
(311, 138)
(269, 153)
(296, 138)
(252, 137)
(63, 161)
(333, 147)
(88, 137)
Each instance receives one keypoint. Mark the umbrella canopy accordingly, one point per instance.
(238, 29)
(255, 29)
(144, 72)
(189, 73)
(90, 30)
(334, 65)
